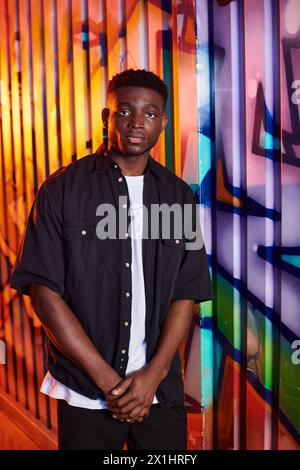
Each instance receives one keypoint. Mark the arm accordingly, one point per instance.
(142, 387)
(68, 335)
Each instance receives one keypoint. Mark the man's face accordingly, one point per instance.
(134, 118)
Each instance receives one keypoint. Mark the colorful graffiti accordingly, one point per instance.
(233, 73)
(248, 186)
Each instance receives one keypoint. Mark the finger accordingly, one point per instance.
(127, 408)
(138, 413)
(141, 419)
(142, 414)
(117, 417)
(130, 420)
(119, 389)
(125, 400)
(127, 416)
(120, 413)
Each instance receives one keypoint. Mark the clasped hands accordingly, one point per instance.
(131, 399)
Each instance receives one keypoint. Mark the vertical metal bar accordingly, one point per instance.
(243, 221)
(56, 82)
(166, 6)
(204, 152)
(214, 261)
(276, 132)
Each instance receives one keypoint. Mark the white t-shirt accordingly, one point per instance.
(137, 343)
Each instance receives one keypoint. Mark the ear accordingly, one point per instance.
(105, 115)
(164, 121)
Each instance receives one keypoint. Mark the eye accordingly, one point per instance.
(124, 112)
(151, 115)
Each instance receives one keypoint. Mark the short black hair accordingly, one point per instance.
(141, 78)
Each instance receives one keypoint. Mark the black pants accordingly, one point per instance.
(80, 428)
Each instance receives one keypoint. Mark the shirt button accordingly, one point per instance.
(120, 179)
(121, 367)
(123, 351)
(126, 323)
(122, 359)
(177, 241)
(83, 232)
(126, 235)
(127, 265)
(124, 206)
(115, 166)
(127, 294)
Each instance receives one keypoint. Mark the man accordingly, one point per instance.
(115, 309)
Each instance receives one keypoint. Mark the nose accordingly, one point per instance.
(137, 121)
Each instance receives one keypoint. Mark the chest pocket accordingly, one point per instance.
(172, 251)
(85, 251)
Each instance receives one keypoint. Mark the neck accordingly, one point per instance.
(131, 165)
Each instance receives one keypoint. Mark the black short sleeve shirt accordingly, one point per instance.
(62, 250)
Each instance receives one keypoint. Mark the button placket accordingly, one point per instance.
(126, 303)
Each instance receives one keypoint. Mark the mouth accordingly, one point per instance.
(135, 138)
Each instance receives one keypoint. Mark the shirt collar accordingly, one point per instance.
(104, 161)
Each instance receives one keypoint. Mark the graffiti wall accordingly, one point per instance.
(233, 72)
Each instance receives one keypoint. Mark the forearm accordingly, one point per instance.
(68, 335)
(176, 325)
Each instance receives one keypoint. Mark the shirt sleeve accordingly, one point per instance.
(193, 280)
(40, 258)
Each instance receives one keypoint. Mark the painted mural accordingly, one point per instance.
(233, 72)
